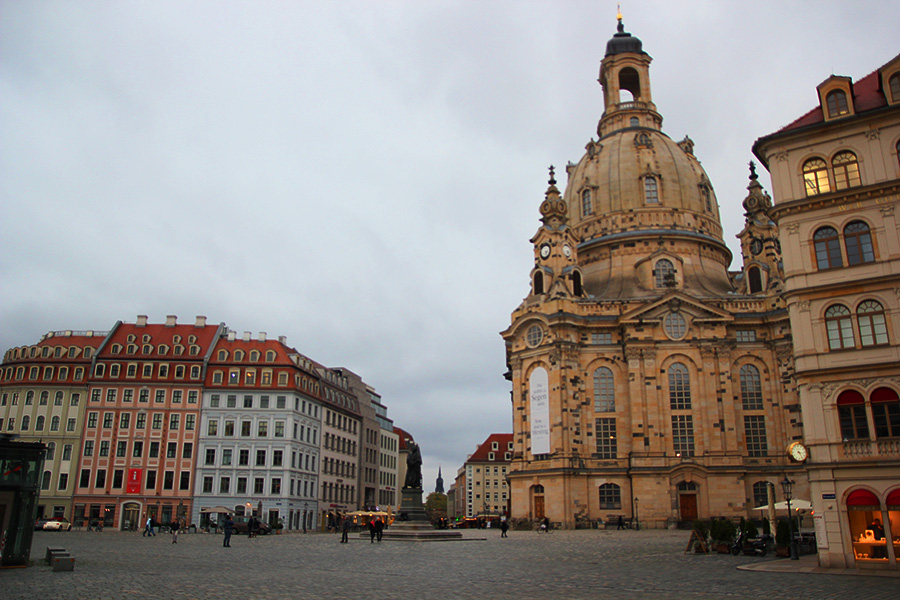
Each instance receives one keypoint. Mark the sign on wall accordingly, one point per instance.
(134, 481)
(539, 400)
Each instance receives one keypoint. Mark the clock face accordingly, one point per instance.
(545, 250)
(567, 250)
(798, 452)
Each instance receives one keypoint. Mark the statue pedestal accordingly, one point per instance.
(412, 523)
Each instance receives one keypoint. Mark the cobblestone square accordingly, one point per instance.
(564, 564)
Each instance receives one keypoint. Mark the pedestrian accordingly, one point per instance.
(251, 527)
(379, 529)
(345, 530)
(174, 526)
(504, 526)
(229, 528)
(372, 532)
(148, 528)
(621, 523)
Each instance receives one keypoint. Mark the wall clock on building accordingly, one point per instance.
(567, 250)
(545, 250)
(798, 452)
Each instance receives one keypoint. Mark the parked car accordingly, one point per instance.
(57, 524)
(240, 525)
(39, 524)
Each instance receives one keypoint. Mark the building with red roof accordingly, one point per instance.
(481, 489)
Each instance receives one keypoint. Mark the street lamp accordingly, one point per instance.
(786, 486)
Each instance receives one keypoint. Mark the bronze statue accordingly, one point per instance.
(413, 466)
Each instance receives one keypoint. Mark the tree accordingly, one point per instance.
(436, 506)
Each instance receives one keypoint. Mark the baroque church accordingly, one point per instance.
(648, 380)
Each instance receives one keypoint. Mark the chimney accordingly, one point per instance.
(246, 336)
(230, 335)
(262, 336)
(200, 322)
(141, 321)
(282, 339)
(170, 320)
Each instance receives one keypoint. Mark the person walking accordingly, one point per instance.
(372, 532)
(148, 528)
(345, 530)
(229, 528)
(504, 526)
(174, 526)
(621, 523)
(379, 529)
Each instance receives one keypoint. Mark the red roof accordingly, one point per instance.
(496, 443)
(160, 337)
(867, 95)
(403, 435)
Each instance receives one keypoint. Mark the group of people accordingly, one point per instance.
(175, 526)
(376, 529)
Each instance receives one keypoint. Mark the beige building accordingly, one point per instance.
(647, 379)
(486, 490)
(836, 181)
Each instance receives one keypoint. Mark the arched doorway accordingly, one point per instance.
(131, 515)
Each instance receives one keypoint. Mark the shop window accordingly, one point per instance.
(866, 528)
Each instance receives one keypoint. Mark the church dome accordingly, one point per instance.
(623, 41)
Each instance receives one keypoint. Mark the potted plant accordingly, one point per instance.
(722, 532)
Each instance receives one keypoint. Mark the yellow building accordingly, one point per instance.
(836, 181)
(647, 380)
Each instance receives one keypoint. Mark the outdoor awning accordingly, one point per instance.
(797, 504)
(217, 509)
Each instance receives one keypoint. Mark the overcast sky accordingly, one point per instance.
(362, 177)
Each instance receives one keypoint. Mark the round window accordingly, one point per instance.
(675, 326)
(534, 336)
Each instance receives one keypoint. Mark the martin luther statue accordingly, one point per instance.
(413, 466)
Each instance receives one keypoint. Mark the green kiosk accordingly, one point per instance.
(21, 464)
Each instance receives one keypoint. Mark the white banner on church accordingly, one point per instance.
(538, 390)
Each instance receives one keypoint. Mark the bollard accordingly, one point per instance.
(63, 562)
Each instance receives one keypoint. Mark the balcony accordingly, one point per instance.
(857, 449)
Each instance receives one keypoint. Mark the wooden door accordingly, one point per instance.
(538, 507)
(688, 505)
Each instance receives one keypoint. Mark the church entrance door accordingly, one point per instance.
(688, 505)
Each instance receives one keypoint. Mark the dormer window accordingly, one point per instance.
(837, 104)
(894, 85)
(664, 274)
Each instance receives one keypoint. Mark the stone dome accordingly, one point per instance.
(623, 41)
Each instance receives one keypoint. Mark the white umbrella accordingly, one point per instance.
(797, 504)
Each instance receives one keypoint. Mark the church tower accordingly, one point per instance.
(648, 381)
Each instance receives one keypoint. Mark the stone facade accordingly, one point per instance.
(836, 181)
(647, 380)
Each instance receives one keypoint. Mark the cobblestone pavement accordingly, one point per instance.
(565, 564)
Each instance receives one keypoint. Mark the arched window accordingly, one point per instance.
(858, 241)
(846, 170)
(39, 423)
(852, 414)
(815, 177)
(634, 122)
(828, 248)
(872, 327)
(754, 279)
(51, 450)
(651, 191)
(604, 390)
(45, 480)
(894, 85)
(751, 388)
(538, 283)
(837, 103)
(679, 387)
(664, 273)
(238, 355)
(674, 325)
(586, 204)
(610, 496)
(254, 356)
(58, 399)
(222, 355)
(26, 422)
(54, 424)
(577, 288)
(886, 412)
(45, 397)
(839, 327)
(760, 493)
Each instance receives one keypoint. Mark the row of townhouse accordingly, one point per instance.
(172, 420)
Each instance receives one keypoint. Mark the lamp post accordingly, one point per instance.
(786, 486)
